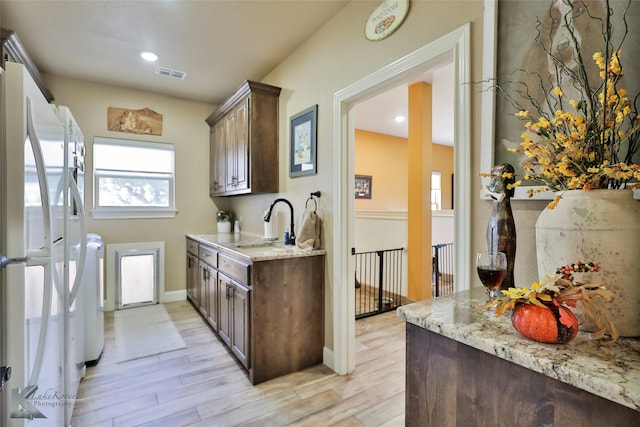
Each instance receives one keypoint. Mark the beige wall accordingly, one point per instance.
(184, 126)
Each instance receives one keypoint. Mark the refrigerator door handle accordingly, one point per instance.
(42, 180)
(4, 261)
(83, 239)
(45, 251)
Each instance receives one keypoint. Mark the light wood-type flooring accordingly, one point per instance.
(203, 385)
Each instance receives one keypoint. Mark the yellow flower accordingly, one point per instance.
(553, 203)
(599, 60)
(514, 185)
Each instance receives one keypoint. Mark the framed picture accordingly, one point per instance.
(363, 187)
(512, 27)
(303, 146)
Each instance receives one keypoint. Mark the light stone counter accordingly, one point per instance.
(251, 247)
(611, 372)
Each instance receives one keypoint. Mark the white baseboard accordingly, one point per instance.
(171, 296)
(327, 357)
(174, 296)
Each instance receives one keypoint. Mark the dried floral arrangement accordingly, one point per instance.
(561, 290)
(580, 132)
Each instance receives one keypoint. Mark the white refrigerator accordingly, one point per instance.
(42, 224)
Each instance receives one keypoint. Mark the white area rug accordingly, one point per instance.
(145, 331)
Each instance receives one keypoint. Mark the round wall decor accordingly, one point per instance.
(386, 19)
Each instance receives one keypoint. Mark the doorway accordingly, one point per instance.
(456, 43)
(383, 220)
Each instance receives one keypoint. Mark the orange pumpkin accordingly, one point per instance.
(556, 324)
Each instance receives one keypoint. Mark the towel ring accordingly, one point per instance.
(311, 197)
(315, 208)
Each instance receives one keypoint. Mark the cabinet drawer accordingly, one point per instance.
(192, 247)
(208, 255)
(234, 268)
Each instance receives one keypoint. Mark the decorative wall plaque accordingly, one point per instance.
(144, 121)
(386, 19)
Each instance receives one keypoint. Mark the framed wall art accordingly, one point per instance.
(363, 186)
(303, 143)
(143, 121)
(512, 54)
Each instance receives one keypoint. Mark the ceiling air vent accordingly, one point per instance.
(174, 74)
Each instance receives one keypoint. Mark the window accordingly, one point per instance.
(133, 179)
(436, 191)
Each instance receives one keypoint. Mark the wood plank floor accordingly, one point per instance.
(203, 385)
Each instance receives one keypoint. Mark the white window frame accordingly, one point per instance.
(132, 212)
(436, 192)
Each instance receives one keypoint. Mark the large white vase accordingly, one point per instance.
(601, 226)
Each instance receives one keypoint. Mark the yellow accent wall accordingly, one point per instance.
(384, 158)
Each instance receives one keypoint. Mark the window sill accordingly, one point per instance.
(132, 213)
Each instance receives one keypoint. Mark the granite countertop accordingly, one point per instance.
(251, 246)
(608, 371)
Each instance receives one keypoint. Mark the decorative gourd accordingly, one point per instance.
(555, 324)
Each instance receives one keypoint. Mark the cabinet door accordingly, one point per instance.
(242, 145)
(225, 292)
(212, 287)
(236, 133)
(230, 150)
(193, 278)
(241, 324)
(218, 159)
(203, 301)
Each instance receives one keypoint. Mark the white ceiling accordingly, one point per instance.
(377, 114)
(218, 43)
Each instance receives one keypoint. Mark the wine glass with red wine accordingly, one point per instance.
(492, 268)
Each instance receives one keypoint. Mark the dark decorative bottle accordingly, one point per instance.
(501, 230)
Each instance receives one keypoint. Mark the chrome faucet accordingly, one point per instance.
(267, 218)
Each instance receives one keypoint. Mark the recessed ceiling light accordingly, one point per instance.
(149, 56)
(400, 119)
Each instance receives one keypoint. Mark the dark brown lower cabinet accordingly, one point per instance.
(203, 292)
(234, 317)
(451, 384)
(212, 315)
(224, 319)
(240, 324)
(287, 316)
(270, 313)
(193, 277)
